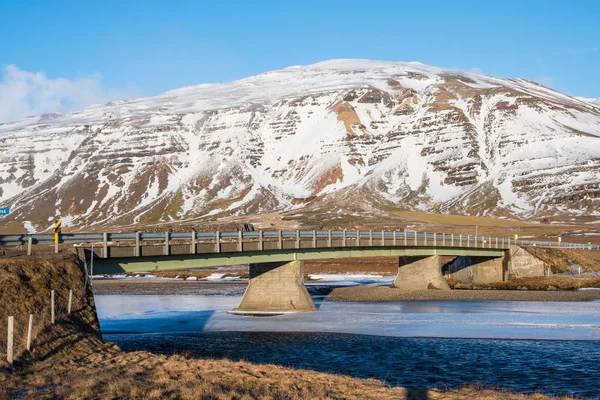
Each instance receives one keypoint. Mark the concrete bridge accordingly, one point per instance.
(275, 258)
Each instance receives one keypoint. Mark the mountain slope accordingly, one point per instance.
(342, 135)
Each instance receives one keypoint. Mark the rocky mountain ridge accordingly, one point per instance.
(348, 136)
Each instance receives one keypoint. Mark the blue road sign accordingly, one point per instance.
(4, 211)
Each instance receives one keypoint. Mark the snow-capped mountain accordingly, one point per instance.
(339, 135)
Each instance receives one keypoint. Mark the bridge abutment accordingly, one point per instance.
(478, 270)
(276, 287)
(420, 273)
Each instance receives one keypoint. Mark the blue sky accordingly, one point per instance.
(138, 48)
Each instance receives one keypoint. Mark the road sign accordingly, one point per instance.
(57, 229)
(4, 211)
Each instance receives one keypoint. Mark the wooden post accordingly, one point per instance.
(496, 241)
(69, 308)
(416, 242)
(52, 318)
(193, 247)
(460, 240)
(29, 245)
(29, 331)
(261, 244)
(104, 245)
(444, 239)
(475, 240)
(357, 238)
(280, 240)
(138, 253)
(217, 242)
(371, 238)
(383, 238)
(405, 238)
(468, 240)
(10, 350)
(241, 244)
(314, 239)
(166, 251)
(344, 238)
(452, 240)
(297, 239)
(394, 238)
(329, 238)
(490, 242)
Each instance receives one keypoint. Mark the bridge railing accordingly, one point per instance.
(299, 239)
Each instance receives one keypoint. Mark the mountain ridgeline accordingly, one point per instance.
(349, 136)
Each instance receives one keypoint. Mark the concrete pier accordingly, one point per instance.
(420, 273)
(276, 287)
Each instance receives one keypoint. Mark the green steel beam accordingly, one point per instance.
(163, 263)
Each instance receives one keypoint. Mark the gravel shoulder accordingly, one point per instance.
(382, 293)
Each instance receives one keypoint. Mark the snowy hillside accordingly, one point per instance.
(339, 135)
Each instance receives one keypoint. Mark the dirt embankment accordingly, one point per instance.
(561, 259)
(69, 359)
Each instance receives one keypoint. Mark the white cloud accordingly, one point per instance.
(24, 93)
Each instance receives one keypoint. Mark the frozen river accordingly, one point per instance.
(525, 346)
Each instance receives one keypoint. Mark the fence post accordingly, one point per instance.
(357, 238)
(405, 238)
(69, 308)
(314, 239)
(52, 319)
(329, 238)
(452, 240)
(29, 245)
(424, 238)
(383, 238)
(468, 240)
(460, 240)
(370, 238)
(444, 239)
(297, 238)
(344, 238)
(394, 238)
(10, 350)
(104, 245)
(241, 244)
(490, 242)
(279, 240)
(416, 240)
(194, 248)
(261, 244)
(217, 242)
(435, 240)
(29, 330)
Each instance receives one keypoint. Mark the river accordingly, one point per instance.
(547, 347)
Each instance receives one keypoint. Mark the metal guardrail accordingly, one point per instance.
(399, 238)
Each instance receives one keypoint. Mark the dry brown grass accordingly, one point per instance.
(560, 282)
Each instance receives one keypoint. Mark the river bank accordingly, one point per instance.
(382, 293)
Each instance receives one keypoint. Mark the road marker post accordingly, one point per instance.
(57, 231)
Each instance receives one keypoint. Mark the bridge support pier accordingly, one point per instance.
(420, 273)
(275, 288)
